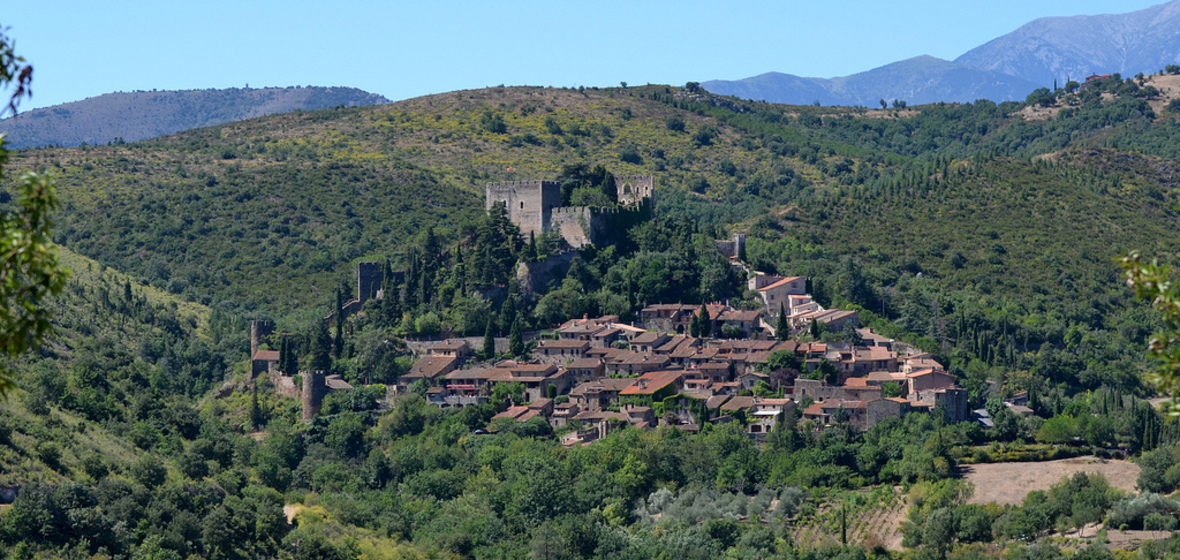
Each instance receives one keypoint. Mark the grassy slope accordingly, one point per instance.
(79, 322)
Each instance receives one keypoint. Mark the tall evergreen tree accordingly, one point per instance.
(706, 325)
(321, 348)
(255, 409)
(338, 344)
(291, 365)
(283, 353)
(782, 329)
(489, 339)
(516, 339)
(507, 315)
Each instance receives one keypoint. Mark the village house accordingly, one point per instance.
(747, 322)
(559, 352)
(647, 343)
(655, 385)
(635, 363)
(777, 293)
(598, 394)
(454, 348)
(585, 369)
(429, 369)
(264, 361)
(950, 399)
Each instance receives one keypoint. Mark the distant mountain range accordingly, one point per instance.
(1004, 69)
(145, 114)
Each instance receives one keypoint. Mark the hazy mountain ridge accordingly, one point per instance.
(1004, 69)
(138, 115)
(922, 79)
(1061, 48)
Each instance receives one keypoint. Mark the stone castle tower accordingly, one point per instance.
(369, 277)
(315, 386)
(530, 204)
(535, 207)
(259, 329)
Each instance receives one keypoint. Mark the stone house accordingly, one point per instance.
(559, 352)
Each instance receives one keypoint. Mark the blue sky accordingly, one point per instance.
(407, 49)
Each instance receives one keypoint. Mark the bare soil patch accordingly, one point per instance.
(1009, 483)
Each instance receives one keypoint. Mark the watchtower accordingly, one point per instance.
(529, 203)
(369, 278)
(259, 329)
(315, 385)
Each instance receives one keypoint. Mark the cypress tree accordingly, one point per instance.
(255, 410)
(321, 348)
(507, 315)
(291, 365)
(516, 339)
(706, 324)
(489, 339)
(283, 352)
(338, 345)
(781, 329)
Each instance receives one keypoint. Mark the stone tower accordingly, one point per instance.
(634, 188)
(314, 387)
(369, 277)
(529, 203)
(259, 329)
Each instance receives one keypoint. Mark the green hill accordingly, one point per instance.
(974, 234)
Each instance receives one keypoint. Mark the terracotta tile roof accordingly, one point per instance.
(450, 345)
(268, 355)
(512, 412)
(647, 338)
(585, 363)
(816, 409)
(563, 344)
(737, 403)
(610, 385)
(782, 282)
(856, 382)
(429, 367)
(477, 373)
(740, 316)
(715, 401)
(652, 382)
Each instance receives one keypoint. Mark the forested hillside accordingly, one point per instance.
(984, 238)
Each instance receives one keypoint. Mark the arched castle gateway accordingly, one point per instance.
(535, 207)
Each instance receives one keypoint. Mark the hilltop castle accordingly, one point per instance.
(535, 207)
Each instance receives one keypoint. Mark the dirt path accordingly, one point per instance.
(291, 510)
(1009, 483)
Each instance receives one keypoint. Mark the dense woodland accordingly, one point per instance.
(984, 239)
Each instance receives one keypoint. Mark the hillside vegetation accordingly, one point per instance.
(967, 230)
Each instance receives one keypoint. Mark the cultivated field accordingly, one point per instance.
(1009, 483)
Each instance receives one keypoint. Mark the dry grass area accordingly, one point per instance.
(1009, 483)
